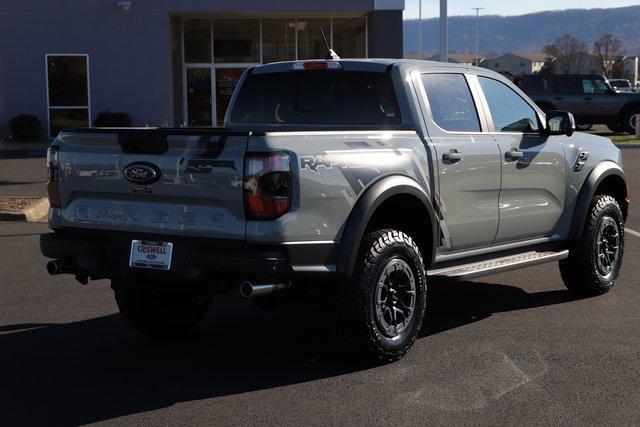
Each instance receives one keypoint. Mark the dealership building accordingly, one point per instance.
(168, 62)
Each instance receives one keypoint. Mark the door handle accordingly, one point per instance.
(513, 154)
(588, 98)
(557, 98)
(452, 156)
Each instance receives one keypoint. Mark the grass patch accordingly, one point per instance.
(624, 139)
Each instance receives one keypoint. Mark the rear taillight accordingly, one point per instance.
(52, 173)
(267, 185)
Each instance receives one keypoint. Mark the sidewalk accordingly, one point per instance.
(23, 169)
(23, 149)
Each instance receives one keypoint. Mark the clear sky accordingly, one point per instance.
(431, 8)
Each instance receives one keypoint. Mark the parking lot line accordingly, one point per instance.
(630, 231)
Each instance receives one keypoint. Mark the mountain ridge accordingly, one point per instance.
(530, 32)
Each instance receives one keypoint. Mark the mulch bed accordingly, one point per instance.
(16, 204)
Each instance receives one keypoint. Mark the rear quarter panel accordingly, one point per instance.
(331, 170)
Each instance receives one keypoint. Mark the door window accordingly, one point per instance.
(68, 87)
(451, 103)
(567, 85)
(509, 111)
(594, 87)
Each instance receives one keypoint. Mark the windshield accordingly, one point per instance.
(318, 97)
(620, 83)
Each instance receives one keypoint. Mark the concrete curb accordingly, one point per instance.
(37, 212)
(633, 145)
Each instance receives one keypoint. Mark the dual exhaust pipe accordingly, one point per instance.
(58, 266)
(258, 289)
(248, 289)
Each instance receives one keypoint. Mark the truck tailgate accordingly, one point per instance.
(187, 182)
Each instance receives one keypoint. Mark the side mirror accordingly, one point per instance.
(560, 123)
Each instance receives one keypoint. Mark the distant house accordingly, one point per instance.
(460, 58)
(517, 63)
(630, 68)
(586, 63)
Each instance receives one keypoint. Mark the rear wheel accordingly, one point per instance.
(386, 299)
(629, 120)
(594, 262)
(161, 313)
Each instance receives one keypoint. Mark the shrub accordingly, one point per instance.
(112, 120)
(25, 128)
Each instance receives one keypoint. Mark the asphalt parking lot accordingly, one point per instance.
(506, 349)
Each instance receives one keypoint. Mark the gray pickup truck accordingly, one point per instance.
(590, 98)
(365, 179)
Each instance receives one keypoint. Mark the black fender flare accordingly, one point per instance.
(364, 209)
(597, 175)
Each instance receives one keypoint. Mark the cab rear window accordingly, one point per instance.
(318, 97)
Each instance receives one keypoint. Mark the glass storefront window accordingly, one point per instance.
(67, 80)
(199, 97)
(197, 40)
(349, 37)
(226, 82)
(236, 40)
(218, 50)
(278, 40)
(310, 42)
(68, 83)
(67, 118)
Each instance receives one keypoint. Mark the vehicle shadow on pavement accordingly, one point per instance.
(98, 369)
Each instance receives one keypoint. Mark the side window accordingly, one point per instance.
(594, 86)
(567, 85)
(509, 111)
(451, 102)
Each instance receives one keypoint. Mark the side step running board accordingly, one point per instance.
(497, 265)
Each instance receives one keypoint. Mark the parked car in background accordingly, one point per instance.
(622, 85)
(360, 179)
(590, 98)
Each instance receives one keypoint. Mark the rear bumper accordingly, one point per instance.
(102, 255)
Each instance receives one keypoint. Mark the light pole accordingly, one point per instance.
(477, 9)
(444, 32)
(420, 29)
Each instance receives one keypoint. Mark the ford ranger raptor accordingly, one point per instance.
(374, 177)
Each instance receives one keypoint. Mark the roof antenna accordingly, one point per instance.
(331, 53)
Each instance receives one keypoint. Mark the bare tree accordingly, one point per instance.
(568, 51)
(606, 48)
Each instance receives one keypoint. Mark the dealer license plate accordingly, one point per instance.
(151, 254)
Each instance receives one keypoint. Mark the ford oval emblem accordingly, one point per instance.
(142, 173)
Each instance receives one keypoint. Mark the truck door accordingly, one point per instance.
(468, 162)
(599, 100)
(569, 96)
(532, 194)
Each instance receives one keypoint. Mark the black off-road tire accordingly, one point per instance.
(380, 251)
(627, 120)
(161, 314)
(580, 272)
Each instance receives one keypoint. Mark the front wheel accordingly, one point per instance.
(584, 127)
(594, 262)
(161, 313)
(387, 296)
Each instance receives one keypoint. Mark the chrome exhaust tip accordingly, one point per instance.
(254, 289)
(59, 266)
